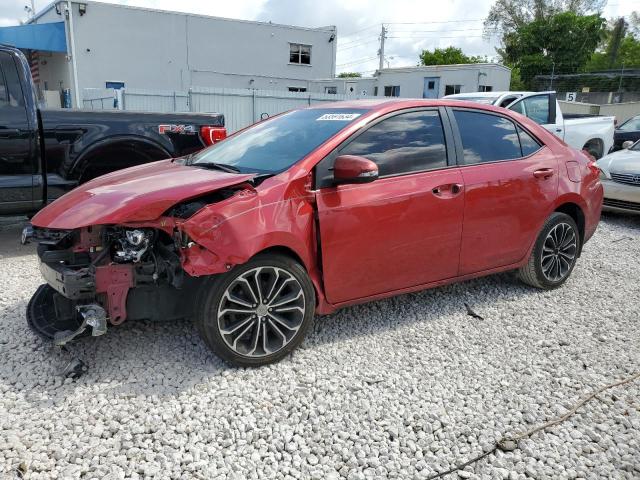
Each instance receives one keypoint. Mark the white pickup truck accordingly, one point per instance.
(584, 132)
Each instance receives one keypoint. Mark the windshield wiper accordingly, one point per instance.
(217, 166)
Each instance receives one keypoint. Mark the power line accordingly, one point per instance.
(428, 23)
(356, 62)
(357, 45)
(361, 30)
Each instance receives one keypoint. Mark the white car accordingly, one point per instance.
(620, 177)
(591, 133)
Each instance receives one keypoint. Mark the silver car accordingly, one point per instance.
(620, 176)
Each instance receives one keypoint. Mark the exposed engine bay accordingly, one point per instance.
(106, 274)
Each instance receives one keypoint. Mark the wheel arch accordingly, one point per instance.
(577, 213)
(140, 148)
(596, 142)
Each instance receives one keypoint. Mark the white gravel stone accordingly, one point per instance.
(401, 388)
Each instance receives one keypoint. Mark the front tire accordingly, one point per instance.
(258, 312)
(554, 254)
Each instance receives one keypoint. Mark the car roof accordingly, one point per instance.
(483, 94)
(391, 104)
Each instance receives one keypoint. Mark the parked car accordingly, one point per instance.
(311, 211)
(620, 177)
(628, 131)
(584, 132)
(45, 153)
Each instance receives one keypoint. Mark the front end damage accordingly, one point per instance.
(106, 274)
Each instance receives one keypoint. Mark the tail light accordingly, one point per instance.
(211, 135)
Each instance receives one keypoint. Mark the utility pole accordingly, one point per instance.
(383, 35)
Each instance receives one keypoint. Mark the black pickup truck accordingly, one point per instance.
(45, 153)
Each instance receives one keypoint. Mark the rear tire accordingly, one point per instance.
(258, 312)
(554, 254)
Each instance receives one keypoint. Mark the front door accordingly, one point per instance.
(401, 230)
(17, 166)
(511, 183)
(431, 87)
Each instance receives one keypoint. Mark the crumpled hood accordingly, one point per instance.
(622, 161)
(135, 194)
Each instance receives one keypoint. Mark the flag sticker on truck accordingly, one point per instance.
(340, 117)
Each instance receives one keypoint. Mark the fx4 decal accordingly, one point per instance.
(187, 129)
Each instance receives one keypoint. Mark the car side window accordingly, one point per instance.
(528, 144)
(4, 92)
(536, 108)
(486, 137)
(12, 96)
(409, 142)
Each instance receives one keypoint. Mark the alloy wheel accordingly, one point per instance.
(261, 311)
(559, 252)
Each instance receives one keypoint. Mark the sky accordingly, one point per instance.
(413, 25)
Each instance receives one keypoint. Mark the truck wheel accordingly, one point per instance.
(258, 312)
(554, 254)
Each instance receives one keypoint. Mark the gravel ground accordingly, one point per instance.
(402, 388)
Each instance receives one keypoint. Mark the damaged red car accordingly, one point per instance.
(310, 211)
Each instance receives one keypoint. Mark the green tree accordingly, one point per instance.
(447, 56)
(621, 46)
(349, 75)
(563, 43)
(508, 16)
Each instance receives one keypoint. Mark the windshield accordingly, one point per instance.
(275, 145)
(483, 100)
(631, 125)
(635, 147)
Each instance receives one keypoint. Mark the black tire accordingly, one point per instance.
(210, 316)
(541, 275)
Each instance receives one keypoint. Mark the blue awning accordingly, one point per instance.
(48, 37)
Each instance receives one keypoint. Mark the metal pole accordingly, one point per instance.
(383, 35)
(621, 74)
(553, 70)
(74, 66)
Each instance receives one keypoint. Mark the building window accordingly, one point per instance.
(332, 90)
(297, 89)
(451, 89)
(375, 91)
(485, 88)
(392, 91)
(300, 54)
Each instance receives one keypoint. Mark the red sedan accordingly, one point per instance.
(311, 211)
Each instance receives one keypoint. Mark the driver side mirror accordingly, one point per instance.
(354, 169)
(627, 144)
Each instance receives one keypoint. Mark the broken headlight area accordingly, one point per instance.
(113, 273)
(129, 245)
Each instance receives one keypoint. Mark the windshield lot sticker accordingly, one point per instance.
(340, 117)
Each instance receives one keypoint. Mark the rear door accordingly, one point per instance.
(543, 109)
(17, 157)
(511, 182)
(404, 228)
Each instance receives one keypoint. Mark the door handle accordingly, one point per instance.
(447, 190)
(543, 173)
(9, 132)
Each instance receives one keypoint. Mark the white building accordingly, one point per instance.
(116, 46)
(422, 82)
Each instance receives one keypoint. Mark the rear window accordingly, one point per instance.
(490, 138)
(486, 137)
